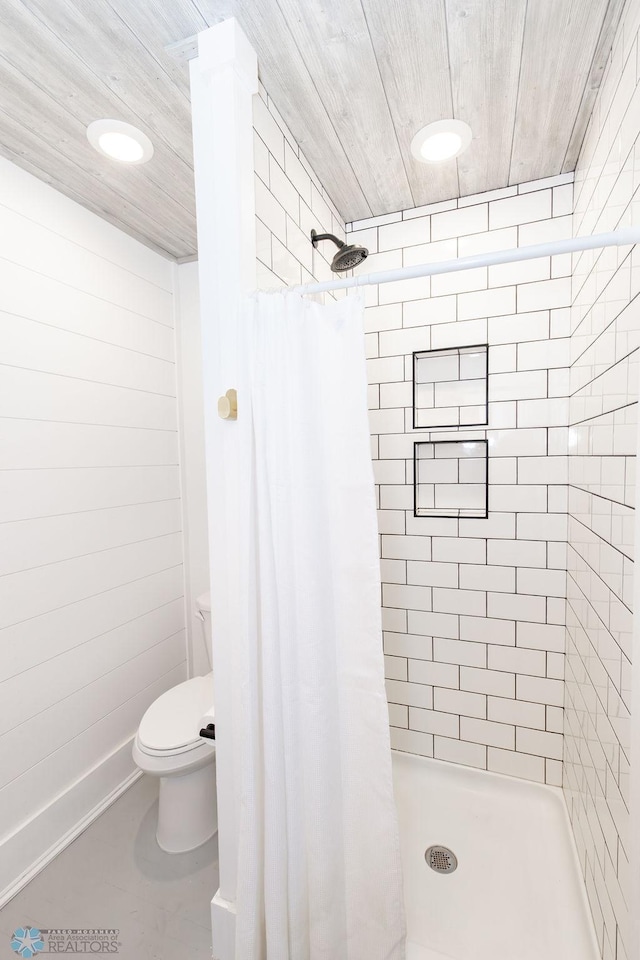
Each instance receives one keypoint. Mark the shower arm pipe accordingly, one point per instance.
(620, 238)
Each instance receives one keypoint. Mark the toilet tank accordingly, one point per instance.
(203, 613)
(203, 605)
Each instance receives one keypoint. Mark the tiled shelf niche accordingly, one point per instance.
(450, 479)
(450, 387)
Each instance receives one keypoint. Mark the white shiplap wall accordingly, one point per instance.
(91, 584)
(474, 610)
(605, 337)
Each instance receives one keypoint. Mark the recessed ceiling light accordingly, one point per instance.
(442, 140)
(120, 141)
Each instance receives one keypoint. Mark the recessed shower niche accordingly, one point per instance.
(450, 479)
(450, 387)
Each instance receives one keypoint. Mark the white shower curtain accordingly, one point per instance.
(319, 863)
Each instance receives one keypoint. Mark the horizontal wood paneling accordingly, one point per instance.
(34, 200)
(32, 395)
(32, 592)
(24, 797)
(24, 291)
(54, 680)
(34, 543)
(44, 637)
(35, 346)
(76, 712)
(49, 492)
(40, 445)
(44, 251)
(91, 582)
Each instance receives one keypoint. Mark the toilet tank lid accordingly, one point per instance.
(203, 603)
(175, 718)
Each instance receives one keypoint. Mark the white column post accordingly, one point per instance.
(224, 78)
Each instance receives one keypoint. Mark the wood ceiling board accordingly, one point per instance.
(81, 32)
(353, 80)
(55, 94)
(485, 47)
(344, 70)
(157, 25)
(560, 40)
(21, 146)
(143, 186)
(339, 55)
(410, 42)
(283, 70)
(601, 58)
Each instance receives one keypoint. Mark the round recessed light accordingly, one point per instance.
(120, 141)
(442, 140)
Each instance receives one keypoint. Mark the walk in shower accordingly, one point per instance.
(499, 337)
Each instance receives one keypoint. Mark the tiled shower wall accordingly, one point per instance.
(290, 202)
(605, 328)
(474, 610)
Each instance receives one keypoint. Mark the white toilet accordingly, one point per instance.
(168, 745)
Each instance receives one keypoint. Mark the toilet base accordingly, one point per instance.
(187, 810)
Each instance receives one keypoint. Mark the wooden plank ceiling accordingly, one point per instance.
(354, 79)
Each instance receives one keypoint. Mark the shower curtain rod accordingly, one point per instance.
(623, 237)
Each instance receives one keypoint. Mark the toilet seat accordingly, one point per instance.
(171, 725)
(150, 752)
(174, 763)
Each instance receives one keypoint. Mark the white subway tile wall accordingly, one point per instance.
(473, 608)
(605, 334)
(290, 202)
(475, 614)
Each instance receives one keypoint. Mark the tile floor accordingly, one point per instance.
(115, 875)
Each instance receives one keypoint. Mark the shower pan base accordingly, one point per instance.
(516, 893)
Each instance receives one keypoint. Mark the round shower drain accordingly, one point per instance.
(441, 859)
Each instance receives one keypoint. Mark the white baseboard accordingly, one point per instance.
(34, 844)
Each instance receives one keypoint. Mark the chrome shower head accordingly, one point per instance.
(348, 255)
